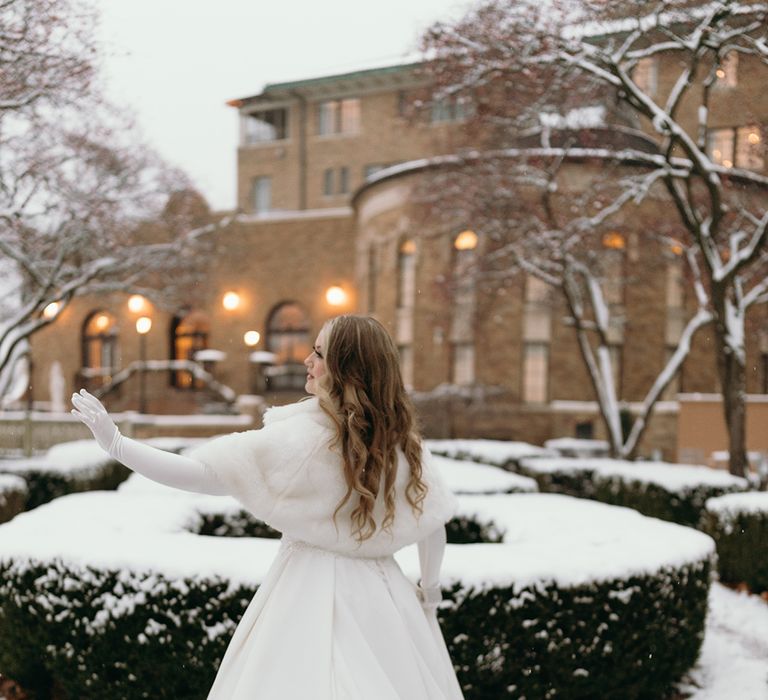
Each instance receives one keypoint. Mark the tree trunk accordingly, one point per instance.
(733, 383)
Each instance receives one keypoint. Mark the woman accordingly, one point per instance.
(345, 478)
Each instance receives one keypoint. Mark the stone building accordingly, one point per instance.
(327, 174)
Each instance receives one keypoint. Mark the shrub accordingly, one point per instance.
(551, 611)
(67, 468)
(13, 496)
(739, 525)
(674, 492)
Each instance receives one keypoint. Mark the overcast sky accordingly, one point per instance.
(174, 63)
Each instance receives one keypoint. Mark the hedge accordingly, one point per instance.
(739, 525)
(106, 611)
(67, 468)
(674, 492)
(13, 496)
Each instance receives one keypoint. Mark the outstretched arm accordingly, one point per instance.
(431, 550)
(161, 466)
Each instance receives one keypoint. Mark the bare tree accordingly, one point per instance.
(85, 207)
(518, 60)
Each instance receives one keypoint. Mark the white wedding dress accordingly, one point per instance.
(324, 626)
(333, 619)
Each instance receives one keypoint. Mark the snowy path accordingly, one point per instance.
(734, 657)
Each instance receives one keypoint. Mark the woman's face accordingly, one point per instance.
(315, 363)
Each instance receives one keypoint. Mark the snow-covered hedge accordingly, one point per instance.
(499, 453)
(13, 496)
(70, 467)
(739, 525)
(675, 492)
(110, 594)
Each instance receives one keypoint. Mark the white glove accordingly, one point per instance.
(431, 549)
(90, 411)
(167, 468)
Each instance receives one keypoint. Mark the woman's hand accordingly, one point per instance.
(90, 411)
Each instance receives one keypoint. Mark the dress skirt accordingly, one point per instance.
(325, 626)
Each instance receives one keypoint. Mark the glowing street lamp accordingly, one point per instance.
(137, 303)
(231, 301)
(335, 296)
(50, 312)
(251, 338)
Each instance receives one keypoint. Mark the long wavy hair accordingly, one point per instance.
(362, 391)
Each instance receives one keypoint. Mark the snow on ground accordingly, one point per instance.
(465, 477)
(734, 658)
(578, 447)
(497, 452)
(672, 477)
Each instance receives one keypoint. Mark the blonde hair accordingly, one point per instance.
(362, 391)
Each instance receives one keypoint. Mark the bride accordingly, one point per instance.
(345, 478)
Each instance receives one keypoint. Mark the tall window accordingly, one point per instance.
(289, 339)
(99, 347)
(265, 126)
(338, 116)
(535, 372)
(406, 298)
(189, 333)
(464, 297)
(750, 148)
(261, 194)
(451, 109)
(743, 146)
(406, 273)
(646, 75)
(537, 334)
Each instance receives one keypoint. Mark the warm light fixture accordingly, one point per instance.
(335, 296)
(720, 73)
(676, 248)
(102, 322)
(408, 247)
(614, 240)
(251, 338)
(231, 301)
(466, 240)
(51, 310)
(143, 325)
(753, 138)
(728, 163)
(136, 303)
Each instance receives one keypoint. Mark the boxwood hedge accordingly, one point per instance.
(739, 525)
(93, 631)
(66, 468)
(13, 496)
(635, 485)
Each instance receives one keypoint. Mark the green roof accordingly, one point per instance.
(294, 84)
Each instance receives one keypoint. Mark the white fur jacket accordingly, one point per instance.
(287, 475)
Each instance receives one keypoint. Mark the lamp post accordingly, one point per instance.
(143, 326)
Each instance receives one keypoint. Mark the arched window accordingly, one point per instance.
(189, 333)
(288, 337)
(99, 345)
